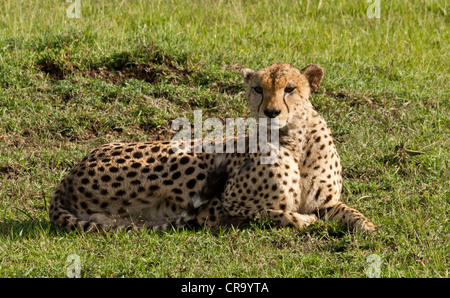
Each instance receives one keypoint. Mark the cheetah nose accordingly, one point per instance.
(272, 113)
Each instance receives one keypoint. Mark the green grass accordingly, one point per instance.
(126, 68)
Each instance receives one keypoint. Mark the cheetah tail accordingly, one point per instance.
(350, 217)
(65, 217)
(62, 215)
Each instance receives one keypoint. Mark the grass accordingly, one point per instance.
(124, 69)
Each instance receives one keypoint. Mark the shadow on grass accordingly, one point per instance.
(319, 228)
(31, 228)
(37, 228)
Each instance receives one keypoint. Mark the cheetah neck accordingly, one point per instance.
(294, 134)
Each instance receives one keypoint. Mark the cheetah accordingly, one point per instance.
(305, 183)
(135, 185)
(149, 184)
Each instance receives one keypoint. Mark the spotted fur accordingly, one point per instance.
(147, 184)
(132, 185)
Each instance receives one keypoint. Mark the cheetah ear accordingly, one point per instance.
(314, 74)
(247, 73)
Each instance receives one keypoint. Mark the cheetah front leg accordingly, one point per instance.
(350, 217)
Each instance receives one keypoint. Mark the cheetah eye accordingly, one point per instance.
(258, 90)
(289, 89)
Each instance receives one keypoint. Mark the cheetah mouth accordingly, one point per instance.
(282, 126)
(273, 123)
(280, 119)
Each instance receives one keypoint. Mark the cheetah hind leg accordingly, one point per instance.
(191, 215)
(288, 218)
(209, 217)
(347, 216)
(165, 224)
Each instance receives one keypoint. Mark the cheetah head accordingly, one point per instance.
(278, 90)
